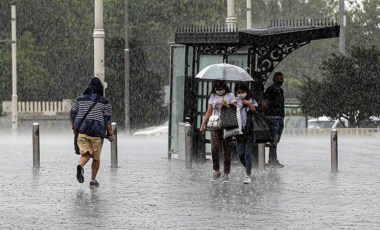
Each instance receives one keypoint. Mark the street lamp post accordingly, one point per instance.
(249, 14)
(126, 71)
(231, 18)
(342, 22)
(99, 42)
(14, 69)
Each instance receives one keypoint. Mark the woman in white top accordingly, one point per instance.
(247, 106)
(220, 97)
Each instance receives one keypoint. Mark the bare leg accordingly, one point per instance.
(84, 159)
(95, 167)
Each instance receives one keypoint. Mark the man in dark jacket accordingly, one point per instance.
(274, 108)
(93, 129)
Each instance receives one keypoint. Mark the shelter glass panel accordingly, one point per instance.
(206, 60)
(177, 95)
(239, 60)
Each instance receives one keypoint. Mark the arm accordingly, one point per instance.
(205, 119)
(110, 133)
(264, 105)
(234, 104)
(265, 101)
(249, 105)
(230, 102)
(107, 120)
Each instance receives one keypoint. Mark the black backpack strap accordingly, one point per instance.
(76, 147)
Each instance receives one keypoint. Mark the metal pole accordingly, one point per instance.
(36, 145)
(114, 146)
(126, 72)
(99, 42)
(188, 144)
(249, 14)
(261, 164)
(14, 69)
(342, 22)
(231, 18)
(334, 150)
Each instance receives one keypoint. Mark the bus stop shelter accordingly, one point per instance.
(258, 51)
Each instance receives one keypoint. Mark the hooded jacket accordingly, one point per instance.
(96, 122)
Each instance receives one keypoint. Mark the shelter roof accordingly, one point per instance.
(292, 31)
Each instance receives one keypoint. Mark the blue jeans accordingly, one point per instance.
(244, 150)
(276, 125)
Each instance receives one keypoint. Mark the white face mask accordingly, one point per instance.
(242, 96)
(220, 92)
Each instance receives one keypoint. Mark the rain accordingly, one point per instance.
(330, 83)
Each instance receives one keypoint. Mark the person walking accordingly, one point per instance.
(274, 107)
(247, 106)
(93, 129)
(220, 97)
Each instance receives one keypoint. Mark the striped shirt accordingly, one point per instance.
(97, 120)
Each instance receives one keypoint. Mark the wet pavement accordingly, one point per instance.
(148, 191)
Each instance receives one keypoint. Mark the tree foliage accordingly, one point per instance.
(55, 45)
(54, 48)
(349, 89)
(363, 24)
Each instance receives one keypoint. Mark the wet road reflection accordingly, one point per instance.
(148, 191)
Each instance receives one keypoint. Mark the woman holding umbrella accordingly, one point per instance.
(220, 97)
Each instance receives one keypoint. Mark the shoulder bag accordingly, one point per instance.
(261, 130)
(213, 122)
(228, 118)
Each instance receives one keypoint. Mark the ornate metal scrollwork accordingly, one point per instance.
(268, 57)
(217, 49)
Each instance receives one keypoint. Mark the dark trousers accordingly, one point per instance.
(244, 149)
(217, 144)
(276, 125)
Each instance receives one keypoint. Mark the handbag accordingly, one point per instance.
(261, 130)
(228, 118)
(213, 122)
(235, 131)
(76, 147)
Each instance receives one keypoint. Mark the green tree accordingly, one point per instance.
(349, 89)
(363, 24)
(306, 60)
(152, 24)
(55, 49)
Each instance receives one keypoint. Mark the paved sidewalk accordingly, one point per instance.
(148, 191)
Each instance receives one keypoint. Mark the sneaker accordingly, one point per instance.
(247, 179)
(80, 172)
(276, 164)
(226, 179)
(94, 184)
(215, 176)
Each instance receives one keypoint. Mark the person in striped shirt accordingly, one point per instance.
(95, 127)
